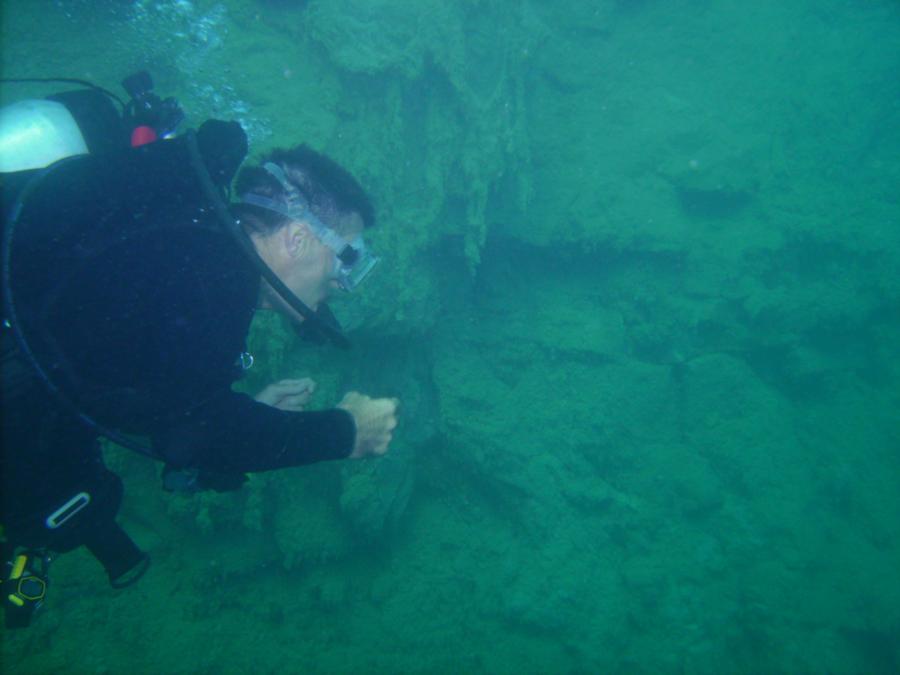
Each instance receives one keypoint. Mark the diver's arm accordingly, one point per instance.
(232, 432)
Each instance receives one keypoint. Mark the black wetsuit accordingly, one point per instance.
(138, 303)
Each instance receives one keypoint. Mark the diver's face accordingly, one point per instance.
(303, 263)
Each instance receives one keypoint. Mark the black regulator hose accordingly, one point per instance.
(243, 240)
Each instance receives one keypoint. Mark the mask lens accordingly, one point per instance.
(348, 256)
(353, 276)
(352, 262)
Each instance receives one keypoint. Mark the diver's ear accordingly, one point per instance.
(297, 238)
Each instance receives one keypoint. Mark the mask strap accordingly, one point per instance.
(297, 208)
(295, 199)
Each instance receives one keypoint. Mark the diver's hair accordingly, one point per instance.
(329, 189)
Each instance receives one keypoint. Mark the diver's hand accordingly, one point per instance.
(375, 420)
(290, 395)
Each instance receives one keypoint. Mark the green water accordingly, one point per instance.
(640, 301)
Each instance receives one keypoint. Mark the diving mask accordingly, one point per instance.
(352, 261)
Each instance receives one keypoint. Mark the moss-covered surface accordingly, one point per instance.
(640, 303)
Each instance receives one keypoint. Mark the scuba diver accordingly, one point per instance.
(129, 287)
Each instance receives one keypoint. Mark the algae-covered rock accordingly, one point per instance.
(308, 526)
(499, 404)
(367, 36)
(713, 183)
(375, 492)
(726, 399)
(746, 432)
